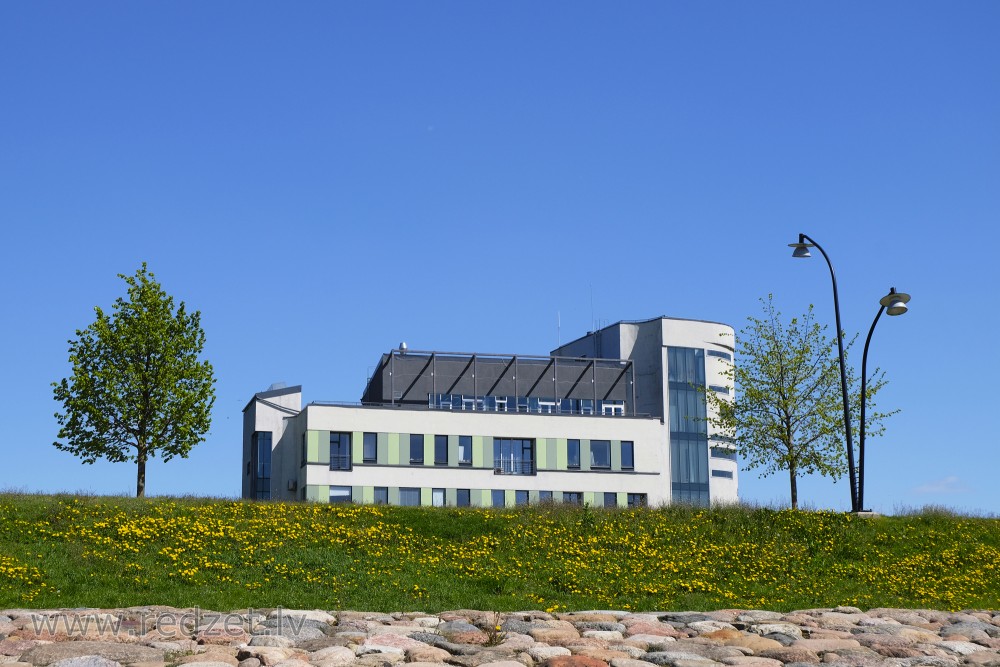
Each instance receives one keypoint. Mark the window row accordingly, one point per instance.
(551, 406)
(411, 496)
(511, 456)
(600, 454)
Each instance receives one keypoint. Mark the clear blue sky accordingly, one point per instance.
(323, 180)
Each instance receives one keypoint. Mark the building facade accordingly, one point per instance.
(615, 418)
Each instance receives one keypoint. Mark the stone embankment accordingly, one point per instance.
(165, 637)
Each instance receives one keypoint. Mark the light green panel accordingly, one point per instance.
(451, 497)
(550, 453)
(541, 453)
(403, 449)
(393, 456)
(585, 455)
(483, 496)
(357, 447)
(616, 455)
(622, 499)
(557, 496)
(319, 493)
(588, 498)
(562, 455)
(508, 497)
(312, 447)
(533, 498)
(452, 452)
(358, 494)
(393, 495)
(367, 494)
(428, 450)
(382, 447)
(425, 496)
(488, 451)
(478, 460)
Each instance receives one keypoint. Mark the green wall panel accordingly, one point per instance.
(393, 457)
(508, 497)
(541, 453)
(425, 496)
(533, 497)
(393, 495)
(368, 494)
(358, 494)
(428, 450)
(562, 457)
(357, 447)
(616, 454)
(312, 447)
(588, 499)
(450, 497)
(478, 447)
(622, 499)
(383, 449)
(452, 451)
(483, 497)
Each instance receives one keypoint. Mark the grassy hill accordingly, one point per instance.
(67, 551)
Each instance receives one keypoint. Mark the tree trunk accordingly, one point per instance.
(794, 487)
(140, 480)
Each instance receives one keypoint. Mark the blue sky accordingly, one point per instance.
(324, 180)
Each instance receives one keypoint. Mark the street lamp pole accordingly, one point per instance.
(801, 251)
(895, 304)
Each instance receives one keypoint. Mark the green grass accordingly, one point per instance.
(71, 551)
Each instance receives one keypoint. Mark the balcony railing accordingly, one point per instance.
(513, 467)
(340, 462)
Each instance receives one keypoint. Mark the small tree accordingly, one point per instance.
(788, 410)
(137, 388)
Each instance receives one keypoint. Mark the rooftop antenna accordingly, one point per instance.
(558, 330)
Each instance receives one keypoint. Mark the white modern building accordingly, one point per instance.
(615, 418)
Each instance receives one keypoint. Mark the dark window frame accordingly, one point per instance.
(416, 446)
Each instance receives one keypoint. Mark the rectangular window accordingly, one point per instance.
(409, 497)
(381, 495)
(723, 453)
(637, 500)
(437, 497)
(498, 497)
(628, 455)
(688, 427)
(340, 494)
(513, 456)
(545, 496)
(370, 454)
(340, 451)
(463, 498)
(259, 465)
(465, 450)
(600, 454)
(440, 450)
(573, 454)
(520, 497)
(725, 474)
(720, 355)
(572, 497)
(611, 499)
(416, 449)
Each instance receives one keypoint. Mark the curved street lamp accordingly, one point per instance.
(893, 303)
(802, 251)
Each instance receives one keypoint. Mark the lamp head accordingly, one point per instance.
(895, 302)
(801, 249)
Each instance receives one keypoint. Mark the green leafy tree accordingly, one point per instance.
(138, 388)
(788, 411)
